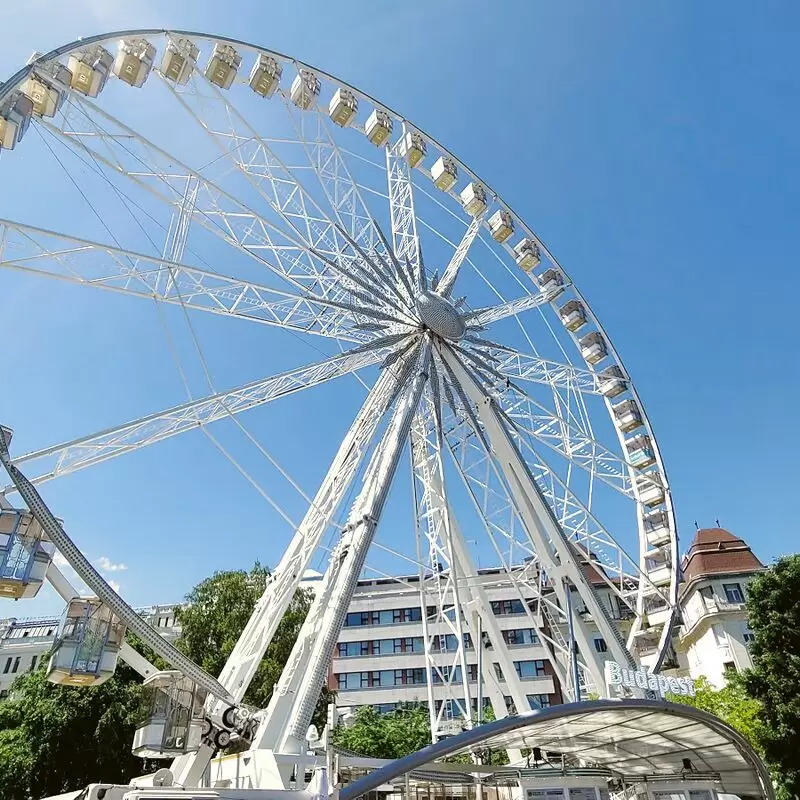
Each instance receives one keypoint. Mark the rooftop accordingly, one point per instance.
(715, 551)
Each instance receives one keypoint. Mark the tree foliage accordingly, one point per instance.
(732, 704)
(391, 735)
(773, 607)
(217, 611)
(56, 739)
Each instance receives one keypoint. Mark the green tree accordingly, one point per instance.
(732, 704)
(218, 609)
(773, 607)
(390, 735)
(55, 739)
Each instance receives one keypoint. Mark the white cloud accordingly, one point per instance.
(107, 565)
(59, 560)
(114, 585)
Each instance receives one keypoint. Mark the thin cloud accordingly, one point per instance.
(107, 565)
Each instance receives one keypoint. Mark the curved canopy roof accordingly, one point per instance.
(633, 738)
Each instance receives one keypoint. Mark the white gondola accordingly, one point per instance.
(550, 281)
(658, 566)
(15, 116)
(47, 87)
(473, 197)
(656, 528)
(573, 315)
(628, 416)
(134, 61)
(657, 609)
(501, 225)
(444, 173)
(651, 491)
(265, 77)
(378, 127)
(611, 381)
(170, 716)
(640, 451)
(305, 89)
(593, 347)
(526, 254)
(90, 69)
(180, 59)
(87, 646)
(343, 107)
(25, 554)
(413, 147)
(223, 66)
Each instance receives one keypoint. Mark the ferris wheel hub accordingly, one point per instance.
(440, 316)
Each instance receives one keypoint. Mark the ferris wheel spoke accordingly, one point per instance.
(286, 196)
(405, 239)
(92, 264)
(77, 454)
(548, 538)
(528, 367)
(495, 508)
(249, 650)
(89, 130)
(453, 267)
(449, 581)
(511, 308)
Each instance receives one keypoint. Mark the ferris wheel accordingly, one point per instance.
(215, 177)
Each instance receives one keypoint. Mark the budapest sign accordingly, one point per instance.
(623, 678)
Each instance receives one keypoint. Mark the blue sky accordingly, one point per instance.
(652, 146)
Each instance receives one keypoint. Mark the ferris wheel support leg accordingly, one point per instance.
(551, 544)
(295, 696)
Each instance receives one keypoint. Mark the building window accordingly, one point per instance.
(729, 667)
(600, 645)
(531, 669)
(748, 637)
(539, 700)
(15, 667)
(521, 636)
(733, 592)
(503, 608)
(33, 662)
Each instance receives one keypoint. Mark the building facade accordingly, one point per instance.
(380, 656)
(714, 637)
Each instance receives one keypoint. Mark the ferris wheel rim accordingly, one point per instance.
(15, 80)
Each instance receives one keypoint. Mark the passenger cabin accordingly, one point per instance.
(501, 225)
(628, 416)
(573, 315)
(343, 107)
(444, 173)
(170, 716)
(134, 61)
(593, 347)
(657, 609)
(15, 117)
(179, 61)
(47, 87)
(650, 489)
(526, 254)
(223, 66)
(550, 281)
(305, 89)
(25, 554)
(640, 451)
(88, 643)
(265, 77)
(656, 528)
(658, 565)
(90, 69)
(473, 197)
(378, 127)
(413, 147)
(611, 381)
